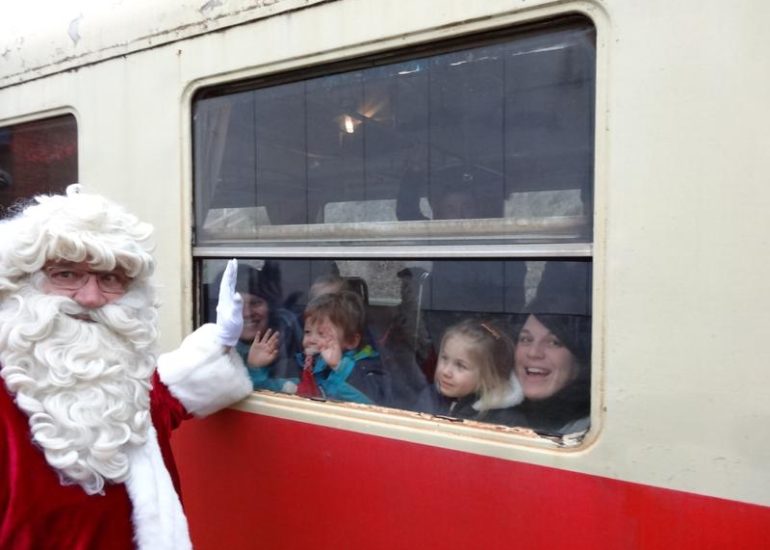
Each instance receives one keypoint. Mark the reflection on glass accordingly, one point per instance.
(38, 157)
(499, 136)
(486, 142)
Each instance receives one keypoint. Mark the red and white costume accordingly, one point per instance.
(38, 512)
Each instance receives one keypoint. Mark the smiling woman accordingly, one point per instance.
(553, 353)
(263, 318)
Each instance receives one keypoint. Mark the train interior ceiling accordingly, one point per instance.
(360, 151)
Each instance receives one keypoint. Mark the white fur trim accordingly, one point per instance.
(511, 396)
(158, 519)
(202, 376)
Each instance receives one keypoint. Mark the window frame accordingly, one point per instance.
(501, 246)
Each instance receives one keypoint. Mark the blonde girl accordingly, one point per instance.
(474, 375)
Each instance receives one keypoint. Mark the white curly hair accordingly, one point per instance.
(75, 227)
(84, 385)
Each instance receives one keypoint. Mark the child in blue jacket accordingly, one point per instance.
(336, 364)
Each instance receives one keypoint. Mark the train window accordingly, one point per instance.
(37, 157)
(462, 174)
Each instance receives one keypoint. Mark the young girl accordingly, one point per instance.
(474, 376)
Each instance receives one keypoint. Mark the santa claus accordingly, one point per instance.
(85, 415)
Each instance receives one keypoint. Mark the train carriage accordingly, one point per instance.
(602, 161)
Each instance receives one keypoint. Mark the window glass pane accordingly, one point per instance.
(413, 311)
(480, 142)
(37, 157)
(493, 141)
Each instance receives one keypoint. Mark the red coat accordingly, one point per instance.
(39, 512)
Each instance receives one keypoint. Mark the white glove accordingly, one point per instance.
(229, 307)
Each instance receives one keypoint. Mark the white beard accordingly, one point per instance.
(84, 384)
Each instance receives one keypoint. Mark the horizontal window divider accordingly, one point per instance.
(535, 228)
(563, 250)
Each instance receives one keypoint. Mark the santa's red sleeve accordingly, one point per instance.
(195, 379)
(198, 378)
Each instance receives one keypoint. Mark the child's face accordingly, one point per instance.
(319, 335)
(457, 374)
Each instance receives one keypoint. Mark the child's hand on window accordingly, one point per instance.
(264, 349)
(331, 348)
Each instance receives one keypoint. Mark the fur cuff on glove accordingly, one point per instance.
(202, 376)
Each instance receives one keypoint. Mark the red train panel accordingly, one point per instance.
(252, 481)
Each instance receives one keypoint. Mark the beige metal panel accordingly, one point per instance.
(687, 286)
(128, 114)
(681, 280)
(44, 37)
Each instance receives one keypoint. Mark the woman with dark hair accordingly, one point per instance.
(268, 326)
(552, 363)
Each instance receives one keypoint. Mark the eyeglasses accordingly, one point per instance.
(71, 278)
